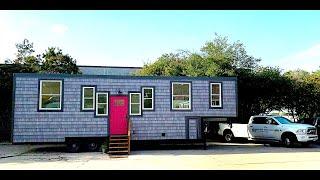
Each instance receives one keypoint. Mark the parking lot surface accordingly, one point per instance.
(217, 156)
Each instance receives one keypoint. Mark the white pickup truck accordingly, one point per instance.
(270, 128)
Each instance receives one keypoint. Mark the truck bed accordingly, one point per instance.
(238, 130)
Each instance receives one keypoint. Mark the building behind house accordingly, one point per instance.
(108, 70)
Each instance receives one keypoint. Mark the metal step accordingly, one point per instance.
(118, 147)
(118, 139)
(118, 136)
(120, 151)
(122, 143)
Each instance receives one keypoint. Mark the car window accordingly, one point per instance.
(271, 121)
(259, 120)
(283, 120)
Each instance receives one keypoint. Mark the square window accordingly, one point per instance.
(50, 95)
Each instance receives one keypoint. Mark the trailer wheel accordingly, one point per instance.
(92, 146)
(228, 136)
(73, 147)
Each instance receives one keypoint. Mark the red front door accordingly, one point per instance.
(118, 115)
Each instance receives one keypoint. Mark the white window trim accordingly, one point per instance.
(220, 95)
(107, 103)
(152, 98)
(135, 103)
(40, 95)
(93, 100)
(190, 98)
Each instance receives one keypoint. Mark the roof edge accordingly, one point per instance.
(116, 67)
(44, 75)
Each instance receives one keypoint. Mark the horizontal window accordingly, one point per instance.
(50, 95)
(181, 96)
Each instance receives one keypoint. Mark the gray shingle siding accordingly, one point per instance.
(193, 128)
(33, 126)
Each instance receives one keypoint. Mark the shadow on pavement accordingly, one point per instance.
(51, 149)
(240, 147)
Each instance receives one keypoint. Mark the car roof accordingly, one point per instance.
(266, 116)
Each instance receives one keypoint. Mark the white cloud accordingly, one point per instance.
(59, 29)
(9, 36)
(308, 59)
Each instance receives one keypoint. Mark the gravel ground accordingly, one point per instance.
(217, 156)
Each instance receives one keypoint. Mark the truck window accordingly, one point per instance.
(259, 120)
(271, 121)
(283, 120)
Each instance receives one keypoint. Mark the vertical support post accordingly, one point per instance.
(205, 135)
(129, 134)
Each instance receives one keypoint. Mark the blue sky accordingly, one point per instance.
(289, 39)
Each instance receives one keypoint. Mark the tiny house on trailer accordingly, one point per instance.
(87, 109)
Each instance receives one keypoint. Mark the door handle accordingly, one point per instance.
(250, 126)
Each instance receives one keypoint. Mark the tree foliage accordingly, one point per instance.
(216, 58)
(167, 65)
(24, 52)
(52, 61)
(260, 89)
(223, 57)
(57, 62)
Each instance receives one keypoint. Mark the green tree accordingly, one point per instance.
(54, 61)
(6, 76)
(223, 57)
(172, 64)
(303, 96)
(216, 58)
(299, 74)
(259, 88)
(196, 65)
(25, 57)
(24, 50)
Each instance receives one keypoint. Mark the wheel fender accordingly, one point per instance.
(287, 133)
(227, 130)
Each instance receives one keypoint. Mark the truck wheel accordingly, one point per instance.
(73, 147)
(288, 140)
(92, 146)
(228, 136)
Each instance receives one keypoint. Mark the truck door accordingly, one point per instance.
(272, 129)
(256, 128)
